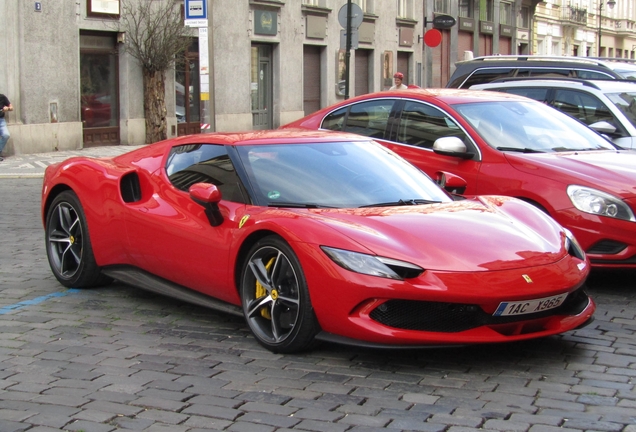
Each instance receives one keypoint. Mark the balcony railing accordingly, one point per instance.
(574, 15)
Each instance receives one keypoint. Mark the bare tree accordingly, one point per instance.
(155, 37)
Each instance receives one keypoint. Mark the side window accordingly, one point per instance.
(481, 76)
(537, 94)
(570, 103)
(204, 163)
(585, 107)
(420, 125)
(335, 120)
(588, 74)
(545, 72)
(370, 118)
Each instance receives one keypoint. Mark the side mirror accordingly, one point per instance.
(603, 127)
(451, 146)
(450, 182)
(208, 196)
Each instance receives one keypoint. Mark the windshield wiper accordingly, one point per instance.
(297, 205)
(520, 150)
(402, 203)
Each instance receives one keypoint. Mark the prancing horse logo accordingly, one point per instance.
(527, 278)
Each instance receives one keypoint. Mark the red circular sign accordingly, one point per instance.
(433, 38)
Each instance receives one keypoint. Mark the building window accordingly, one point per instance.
(505, 13)
(442, 6)
(405, 8)
(486, 10)
(466, 8)
(365, 5)
(523, 18)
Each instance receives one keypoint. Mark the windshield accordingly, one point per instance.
(340, 175)
(529, 127)
(626, 103)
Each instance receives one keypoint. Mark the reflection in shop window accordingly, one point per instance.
(98, 89)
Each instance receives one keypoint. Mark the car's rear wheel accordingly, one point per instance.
(68, 244)
(275, 297)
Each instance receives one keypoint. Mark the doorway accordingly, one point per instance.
(99, 84)
(188, 92)
(261, 87)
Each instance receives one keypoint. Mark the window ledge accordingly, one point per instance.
(315, 10)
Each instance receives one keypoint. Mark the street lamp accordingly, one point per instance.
(610, 4)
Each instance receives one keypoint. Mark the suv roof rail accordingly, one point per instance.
(532, 57)
(539, 78)
(614, 59)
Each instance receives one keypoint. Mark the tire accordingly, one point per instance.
(68, 244)
(275, 298)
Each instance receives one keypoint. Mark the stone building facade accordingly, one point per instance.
(257, 64)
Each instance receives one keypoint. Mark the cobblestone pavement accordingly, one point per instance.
(117, 358)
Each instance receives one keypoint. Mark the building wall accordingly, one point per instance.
(42, 65)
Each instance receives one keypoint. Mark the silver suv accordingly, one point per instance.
(607, 106)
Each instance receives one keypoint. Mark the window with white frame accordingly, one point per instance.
(405, 8)
(505, 13)
(466, 8)
(365, 5)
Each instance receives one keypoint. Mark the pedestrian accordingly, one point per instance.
(5, 106)
(397, 78)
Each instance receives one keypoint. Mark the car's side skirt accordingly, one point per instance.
(141, 279)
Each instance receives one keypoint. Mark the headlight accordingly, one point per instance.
(372, 265)
(593, 201)
(572, 245)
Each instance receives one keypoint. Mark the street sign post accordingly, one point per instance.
(196, 13)
(350, 17)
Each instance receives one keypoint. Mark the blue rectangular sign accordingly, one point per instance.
(196, 9)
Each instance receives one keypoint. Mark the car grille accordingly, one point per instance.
(606, 247)
(455, 317)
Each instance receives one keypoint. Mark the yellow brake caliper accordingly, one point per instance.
(261, 291)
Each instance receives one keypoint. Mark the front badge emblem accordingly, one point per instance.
(527, 278)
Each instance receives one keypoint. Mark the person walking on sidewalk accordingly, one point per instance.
(5, 106)
(397, 78)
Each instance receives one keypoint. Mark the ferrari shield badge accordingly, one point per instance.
(527, 278)
(243, 220)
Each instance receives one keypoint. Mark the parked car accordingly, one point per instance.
(609, 107)
(477, 142)
(488, 68)
(312, 235)
(626, 69)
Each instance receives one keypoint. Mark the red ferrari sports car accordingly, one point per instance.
(314, 236)
(493, 143)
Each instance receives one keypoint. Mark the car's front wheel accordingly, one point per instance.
(68, 244)
(275, 297)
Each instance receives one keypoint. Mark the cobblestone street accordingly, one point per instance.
(118, 358)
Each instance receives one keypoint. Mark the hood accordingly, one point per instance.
(488, 233)
(611, 171)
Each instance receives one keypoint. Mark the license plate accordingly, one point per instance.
(529, 306)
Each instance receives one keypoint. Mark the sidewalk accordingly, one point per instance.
(33, 165)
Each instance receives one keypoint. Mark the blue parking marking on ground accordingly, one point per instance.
(37, 300)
